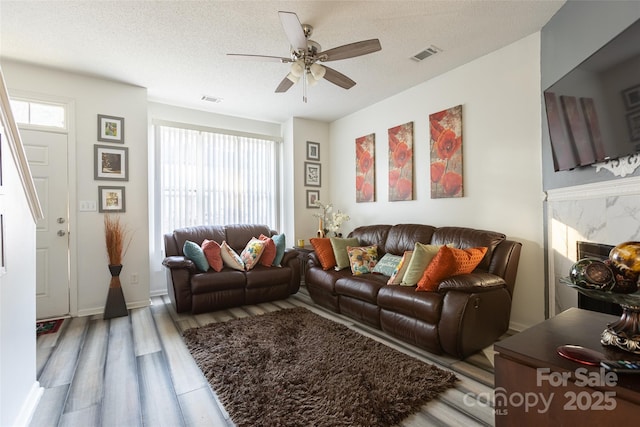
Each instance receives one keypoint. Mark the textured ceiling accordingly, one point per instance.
(177, 49)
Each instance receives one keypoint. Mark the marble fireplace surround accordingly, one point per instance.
(605, 212)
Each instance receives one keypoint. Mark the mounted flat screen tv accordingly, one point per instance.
(593, 112)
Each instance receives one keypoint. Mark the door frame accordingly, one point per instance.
(70, 131)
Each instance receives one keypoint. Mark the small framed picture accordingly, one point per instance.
(111, 163)
(312, 174)
(313, 151)
(633, 120)
(312, 197)
(110, 129)
(111, 199)
(631, 97)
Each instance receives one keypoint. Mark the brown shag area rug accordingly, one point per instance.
(295, 368)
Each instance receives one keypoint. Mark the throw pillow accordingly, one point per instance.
(442, 266)
(230, 258)
(362, 259)
(269, 253)
(211, 250)
(467, 259)
(324, 252)
(194, 252)
(339, 245)
(387, 264)
(252, 252)
(422, 256)
(398, 273)
(279, 241)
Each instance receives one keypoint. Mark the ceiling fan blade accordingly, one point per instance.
(284, 85)
(293, 30)
(351, 50)
(259, 57)
(337, 78)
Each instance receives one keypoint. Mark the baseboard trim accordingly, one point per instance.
(100, 310)
(29, 406)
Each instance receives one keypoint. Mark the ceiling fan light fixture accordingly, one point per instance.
(311, 80)
(297, 68)
(293, 78)
(317, 71)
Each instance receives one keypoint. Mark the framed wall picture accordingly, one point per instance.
(110, 129)
(312, 174)
(313, 151)
(633, 119)
(312, 197)
(631, 97)
(111, 199)
(111, 163)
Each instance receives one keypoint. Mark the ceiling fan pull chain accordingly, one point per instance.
(304, 86)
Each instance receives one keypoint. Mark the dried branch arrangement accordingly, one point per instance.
(117, 238)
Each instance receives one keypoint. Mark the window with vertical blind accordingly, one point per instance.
(212, 177)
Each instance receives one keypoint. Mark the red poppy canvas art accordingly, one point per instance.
(365, 168)
(401, 162)
(446, 153)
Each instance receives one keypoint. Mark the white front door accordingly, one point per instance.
(47, 155)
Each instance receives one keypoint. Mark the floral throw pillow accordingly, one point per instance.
(362, 259)
(251, 253)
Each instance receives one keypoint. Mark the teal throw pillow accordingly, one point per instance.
(387, 264)
(194, 252)
(279, 240)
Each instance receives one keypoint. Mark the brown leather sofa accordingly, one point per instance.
(191, 290)
(467, 313)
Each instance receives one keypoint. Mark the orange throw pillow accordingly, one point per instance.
(449, 262)
(324, 252)
(269, 252)
(467, 259)
(441, 266)
(211, 250)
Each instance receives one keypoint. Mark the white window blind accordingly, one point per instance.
(216, 178)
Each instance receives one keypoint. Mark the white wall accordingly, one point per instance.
(92, 96)
(306, 225)
(501, 99)
(19, 390)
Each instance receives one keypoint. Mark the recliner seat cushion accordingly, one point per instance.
(425, 306)
(212, 282)
(364, 287)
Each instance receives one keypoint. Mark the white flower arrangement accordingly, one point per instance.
(330, 221)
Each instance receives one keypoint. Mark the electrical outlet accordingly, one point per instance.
(134, 278)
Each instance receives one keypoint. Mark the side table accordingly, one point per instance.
(304, 252)
(535, 386)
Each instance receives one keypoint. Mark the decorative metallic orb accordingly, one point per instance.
(626, 255)
(591, 273)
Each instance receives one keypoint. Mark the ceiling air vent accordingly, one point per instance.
(213, 99)
(430, 51)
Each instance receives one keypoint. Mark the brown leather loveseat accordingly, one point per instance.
(467, 313)
(191, 290)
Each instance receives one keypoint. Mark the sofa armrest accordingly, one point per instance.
(289, 255)
(178, 261)
(472, 282)
(291, 260)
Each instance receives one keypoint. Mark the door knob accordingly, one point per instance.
(61, 233)
(60, 220)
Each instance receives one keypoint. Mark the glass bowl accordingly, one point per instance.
(625, 332)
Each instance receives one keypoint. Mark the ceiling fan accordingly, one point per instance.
(306, 55)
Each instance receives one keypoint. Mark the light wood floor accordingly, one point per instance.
(136, 371)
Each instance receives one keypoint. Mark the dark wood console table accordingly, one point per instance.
(535, 386)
